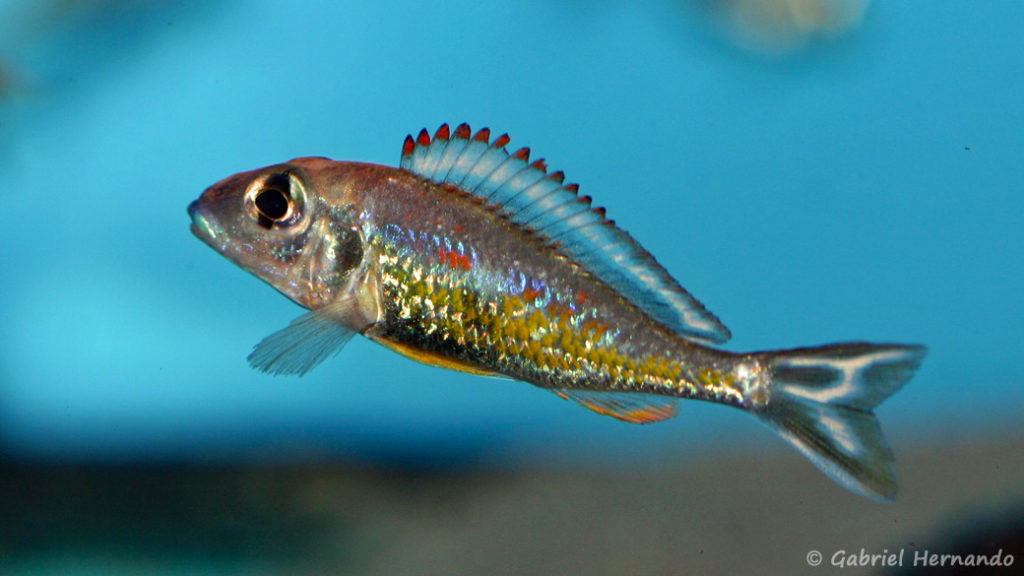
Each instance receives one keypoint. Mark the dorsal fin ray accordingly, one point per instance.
(531, 197)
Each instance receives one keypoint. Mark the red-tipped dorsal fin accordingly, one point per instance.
(408, 146)
(462, 131)
(526, 194)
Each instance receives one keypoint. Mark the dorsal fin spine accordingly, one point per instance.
(477, 173)
(492, 170)
(407, 149)
(542, 187)
(468, 157)
(421, 149)
(462, 131)
(455, 148)
(537, 209)
(540, 206)
(433, 158)
(522, 180)
(558, 221)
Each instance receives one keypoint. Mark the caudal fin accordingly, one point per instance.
(821, 401)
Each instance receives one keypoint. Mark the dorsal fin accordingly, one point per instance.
(530, 196)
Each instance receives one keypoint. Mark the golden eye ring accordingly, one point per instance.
(275, 202)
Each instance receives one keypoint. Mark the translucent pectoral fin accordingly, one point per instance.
(316, 336)
(301, 346)
(632, 407)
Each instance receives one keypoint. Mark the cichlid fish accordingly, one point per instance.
(472, 258)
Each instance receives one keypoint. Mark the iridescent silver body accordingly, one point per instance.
(468, 289)
(471, 258)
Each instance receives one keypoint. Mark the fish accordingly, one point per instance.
(473, 258)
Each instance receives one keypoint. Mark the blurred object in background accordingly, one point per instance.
(6, 81)
(52, 42)
(50, 45)
(784, 27)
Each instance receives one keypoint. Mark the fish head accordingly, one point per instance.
(273, 223)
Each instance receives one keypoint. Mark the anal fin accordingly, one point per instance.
(433, 359)
(632, 407)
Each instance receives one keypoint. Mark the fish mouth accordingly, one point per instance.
(202, 228)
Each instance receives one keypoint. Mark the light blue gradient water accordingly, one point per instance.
(867, 188)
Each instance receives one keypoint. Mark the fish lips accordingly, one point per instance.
(204, 228)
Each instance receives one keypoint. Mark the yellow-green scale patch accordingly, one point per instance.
(527, 337)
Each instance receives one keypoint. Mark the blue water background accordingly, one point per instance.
(864, 187)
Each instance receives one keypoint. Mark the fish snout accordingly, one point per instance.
(202, 227)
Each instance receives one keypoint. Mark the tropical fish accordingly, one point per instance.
(476, 259)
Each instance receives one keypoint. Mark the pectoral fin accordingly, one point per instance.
(319, 334)
(301, 346)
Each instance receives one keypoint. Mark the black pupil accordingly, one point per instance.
(272, 203)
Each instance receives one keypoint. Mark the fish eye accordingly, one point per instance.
(273, 203)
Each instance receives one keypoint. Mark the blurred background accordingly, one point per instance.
(811, 170)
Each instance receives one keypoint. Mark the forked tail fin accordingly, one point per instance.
(821, 401)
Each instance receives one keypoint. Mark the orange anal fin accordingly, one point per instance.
(632, 407)
(434, 359)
